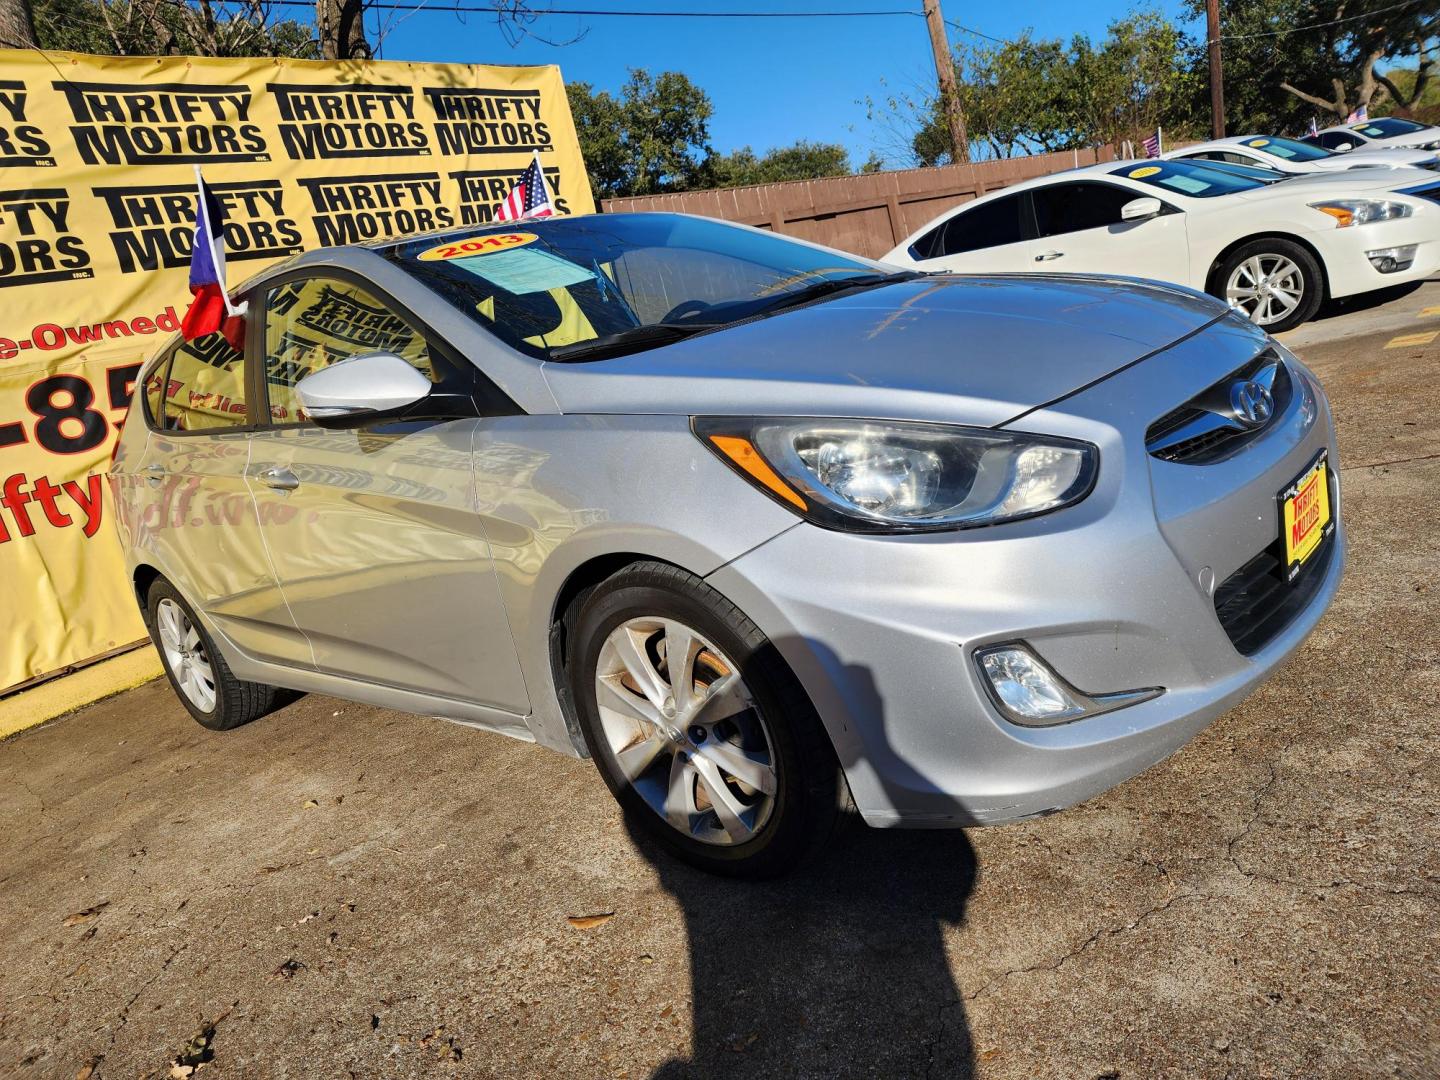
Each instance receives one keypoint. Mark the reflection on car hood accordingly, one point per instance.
(968, 349)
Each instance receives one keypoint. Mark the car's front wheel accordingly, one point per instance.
(202, 679)
(697, 725)
(1273, 282)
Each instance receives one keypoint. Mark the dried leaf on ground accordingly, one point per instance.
(88, 913)
(197, 1052)
(589, 922)
(288, 969)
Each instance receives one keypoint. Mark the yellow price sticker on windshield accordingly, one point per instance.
(477, 245)
(1142, 172)
(1258, 142)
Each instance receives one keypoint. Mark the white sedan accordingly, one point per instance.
(1386, 133)
(1273, 251)
(1275, 151)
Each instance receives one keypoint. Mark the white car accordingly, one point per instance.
(1386, 133)
(1275, 151)
(1273, 251)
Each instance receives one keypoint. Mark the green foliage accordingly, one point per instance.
(802, 161)
(1034, 95)
(167, 27)
(654, 137)
(1299, 70)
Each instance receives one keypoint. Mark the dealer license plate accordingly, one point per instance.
(1306, 517)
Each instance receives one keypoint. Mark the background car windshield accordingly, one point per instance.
(1188, 178)
(1251, 172)
(1388, 127)
(545, 284)
(1289, 149)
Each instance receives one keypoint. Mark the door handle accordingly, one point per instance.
(279, 478)
(1046, 256)
(154, 473)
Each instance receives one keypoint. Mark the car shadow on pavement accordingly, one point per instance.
(1348, 305)
(837, 970)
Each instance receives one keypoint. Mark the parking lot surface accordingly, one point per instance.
(340, 891)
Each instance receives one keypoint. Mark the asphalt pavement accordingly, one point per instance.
(341, 891)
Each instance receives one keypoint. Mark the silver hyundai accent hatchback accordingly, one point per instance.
(758, 526)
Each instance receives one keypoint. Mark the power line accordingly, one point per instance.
(1321, 25)
(490, 9)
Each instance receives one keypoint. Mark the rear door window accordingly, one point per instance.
(205, 389)
(991, 224)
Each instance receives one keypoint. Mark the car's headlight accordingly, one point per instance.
(1347, 212)
(890, 476)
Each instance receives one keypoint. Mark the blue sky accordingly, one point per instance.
(772, 81)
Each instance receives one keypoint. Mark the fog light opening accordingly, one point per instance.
(1392, 260)
(1029, 692)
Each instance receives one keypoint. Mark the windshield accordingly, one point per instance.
(1193, 178)
(1253, 172)
(622, 281)
(1387, 127)
(1289, 149)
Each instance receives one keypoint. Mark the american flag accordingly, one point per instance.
(1314, 128)
(1359, 116)
(1152, 145)
(529, 198)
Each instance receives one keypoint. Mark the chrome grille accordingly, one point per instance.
(1207, 428)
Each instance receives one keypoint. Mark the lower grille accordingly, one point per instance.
(1254, 604)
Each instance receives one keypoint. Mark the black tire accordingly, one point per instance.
(1310, 273)
(236, 702)
(809, 788)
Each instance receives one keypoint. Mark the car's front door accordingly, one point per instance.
(373, 531)
(194, 510)
(1080, 229)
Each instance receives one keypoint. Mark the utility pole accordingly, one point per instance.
(1217, 73)
(945, 72)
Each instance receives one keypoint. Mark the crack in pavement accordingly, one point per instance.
(124, 1014)
(1397, 461)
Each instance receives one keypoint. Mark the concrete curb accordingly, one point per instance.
(56, 697)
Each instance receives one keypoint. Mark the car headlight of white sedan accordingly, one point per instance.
(1348, 212)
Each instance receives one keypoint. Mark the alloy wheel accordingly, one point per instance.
(684, 730)
(185, 655)
(1266, 288)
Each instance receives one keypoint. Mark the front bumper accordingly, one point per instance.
(1115, 593)
(1349, 271)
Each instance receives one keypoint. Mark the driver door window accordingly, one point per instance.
(1067, 208)
(311, 323)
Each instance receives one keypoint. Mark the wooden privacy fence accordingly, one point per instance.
(867, 214)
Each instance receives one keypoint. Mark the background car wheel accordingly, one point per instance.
(697, 725)
(1274, 283)
(196, 670)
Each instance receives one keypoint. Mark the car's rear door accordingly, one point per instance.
(372, 531)
(193, 509)
(991, 236)
(1080, 229)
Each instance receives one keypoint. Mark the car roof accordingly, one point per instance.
(557, 225)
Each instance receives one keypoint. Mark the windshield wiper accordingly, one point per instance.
(829, 286)
(630, 340)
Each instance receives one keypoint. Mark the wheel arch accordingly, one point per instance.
(1212, 274)
(142, 579)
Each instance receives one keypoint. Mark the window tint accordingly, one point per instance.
(988, 225)
(311, 323)
(1064, 208)
(1333, 140)
(206, 387)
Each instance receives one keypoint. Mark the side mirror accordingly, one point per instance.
(1141, 209)
(1343, 147)
(361, 389)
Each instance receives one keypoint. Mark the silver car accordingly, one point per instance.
(764, 529)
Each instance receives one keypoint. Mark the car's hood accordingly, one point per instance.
(1342, 184)
(967, 349)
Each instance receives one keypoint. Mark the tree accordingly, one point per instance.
(340, 28)
(802, 161)
(1036, 95)
(651, 138)
(1288, 59)
(169, 27)
(17, 25)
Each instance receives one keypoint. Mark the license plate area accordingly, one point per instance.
(1307, 518)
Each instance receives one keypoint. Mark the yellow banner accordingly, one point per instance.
(97, 205)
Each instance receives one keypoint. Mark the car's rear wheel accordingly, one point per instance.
(697, 725)
(195, 667)
(1274, 283)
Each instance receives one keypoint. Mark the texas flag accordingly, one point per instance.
(211, 310)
